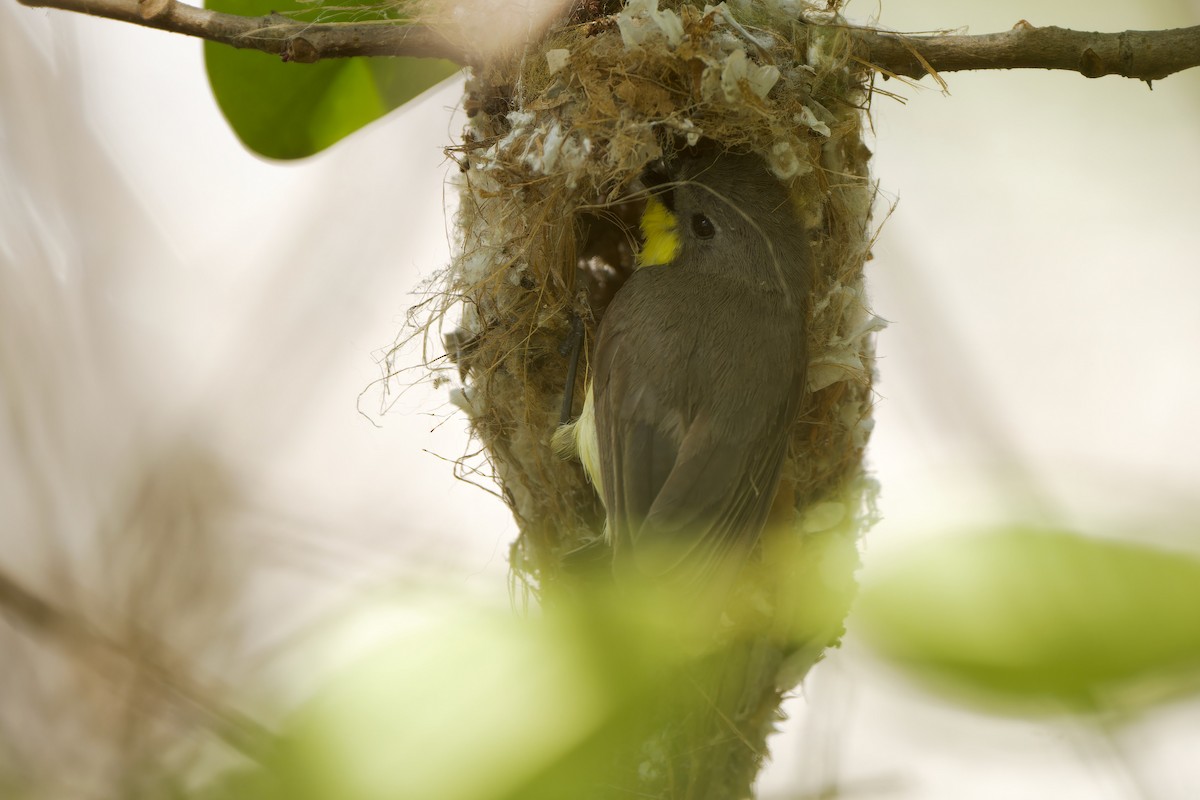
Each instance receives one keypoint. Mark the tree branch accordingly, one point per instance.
(1144, 55)
(288, 38)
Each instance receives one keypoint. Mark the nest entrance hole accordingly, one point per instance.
(608, 241)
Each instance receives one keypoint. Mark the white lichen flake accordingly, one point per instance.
(642, 20)
(808, 119)
(785, 161)
(557, 59)
(738, 72)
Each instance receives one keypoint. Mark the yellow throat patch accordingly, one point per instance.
(661, 235)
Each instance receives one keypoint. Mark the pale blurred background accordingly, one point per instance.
(187, 333)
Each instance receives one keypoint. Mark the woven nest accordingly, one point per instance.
(558, 136)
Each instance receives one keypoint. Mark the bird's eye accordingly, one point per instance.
(702, 226)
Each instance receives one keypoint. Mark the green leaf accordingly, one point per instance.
(1033, 620)
(424, 697)
(456, 701)
(290, 110)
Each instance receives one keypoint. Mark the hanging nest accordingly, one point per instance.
(559, 134)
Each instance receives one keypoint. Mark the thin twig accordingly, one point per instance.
(236, 729)
(1144, 55)
(279, 35)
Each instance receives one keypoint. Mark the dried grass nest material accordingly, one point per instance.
(559, 133)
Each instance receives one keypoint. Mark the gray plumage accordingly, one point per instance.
(699, 374)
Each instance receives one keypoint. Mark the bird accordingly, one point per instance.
(699, 372)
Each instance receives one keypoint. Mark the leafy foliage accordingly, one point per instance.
(289, 110)
(1040, 619)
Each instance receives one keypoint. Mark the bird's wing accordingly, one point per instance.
(716, 498)
(638, 438)
(683, 493)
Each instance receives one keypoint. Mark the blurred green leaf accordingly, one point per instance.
(465, 702)
(287, 110)
(456, 704)
(425, 698)
(1032, 619)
